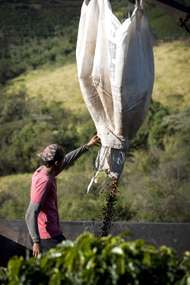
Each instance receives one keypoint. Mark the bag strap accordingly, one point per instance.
(139, 4)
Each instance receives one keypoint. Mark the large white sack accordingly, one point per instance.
(118, 79)
(86, 44)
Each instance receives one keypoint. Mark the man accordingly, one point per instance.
(42, 217)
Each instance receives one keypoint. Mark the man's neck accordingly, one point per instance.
(50, 171)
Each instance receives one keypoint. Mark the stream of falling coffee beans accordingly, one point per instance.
(108, 210)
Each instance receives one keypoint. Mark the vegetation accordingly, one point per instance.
(34, 34)
(109, 260)
(154, 158)
(28, 125)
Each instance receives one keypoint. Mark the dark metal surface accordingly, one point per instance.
(9, 248)
(14, 238)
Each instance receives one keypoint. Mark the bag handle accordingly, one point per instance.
(139, 4)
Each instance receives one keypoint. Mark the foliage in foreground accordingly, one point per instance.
(109, 260)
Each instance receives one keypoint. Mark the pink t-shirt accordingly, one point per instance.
(44, 192)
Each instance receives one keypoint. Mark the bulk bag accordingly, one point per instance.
(116, 75)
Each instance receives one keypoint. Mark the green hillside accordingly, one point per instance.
(171, 86)
(52, 84)
(34, 34)
(41, 103)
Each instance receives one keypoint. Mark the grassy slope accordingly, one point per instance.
(172, 84)
(171, 87)
(58, 84)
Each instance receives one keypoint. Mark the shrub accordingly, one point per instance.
(28, 125)
(157, 181)
(96, 261)
(153, 129)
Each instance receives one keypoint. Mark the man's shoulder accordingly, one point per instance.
(41, 176)
(40, 183)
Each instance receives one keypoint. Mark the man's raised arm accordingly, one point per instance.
(75, 154)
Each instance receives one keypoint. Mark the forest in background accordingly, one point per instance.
(41, 104)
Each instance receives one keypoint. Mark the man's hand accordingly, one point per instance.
(95, 140)
(36, 249)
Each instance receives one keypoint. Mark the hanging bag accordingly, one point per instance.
(118, 81)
